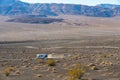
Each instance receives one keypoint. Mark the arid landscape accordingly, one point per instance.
(91, 42)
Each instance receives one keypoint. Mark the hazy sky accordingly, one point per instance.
(87, 2)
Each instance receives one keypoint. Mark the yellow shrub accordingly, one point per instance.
(104, 56)
(7, 70)
(51, 62)
(76, 72)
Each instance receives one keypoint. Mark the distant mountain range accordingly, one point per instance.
(16, 7)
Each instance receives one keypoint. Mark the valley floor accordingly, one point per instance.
(89, 41)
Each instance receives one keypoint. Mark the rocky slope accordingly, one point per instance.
(16, 7)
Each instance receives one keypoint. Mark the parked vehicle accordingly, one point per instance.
(41, 56)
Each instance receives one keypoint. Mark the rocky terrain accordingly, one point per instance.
(16, 7)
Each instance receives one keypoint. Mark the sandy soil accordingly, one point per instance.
(84, 40)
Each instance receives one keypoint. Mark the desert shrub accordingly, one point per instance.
(7, 70)
(51, 62)
(104, 56)
(76, 72)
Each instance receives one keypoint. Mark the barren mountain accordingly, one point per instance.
(16, 7)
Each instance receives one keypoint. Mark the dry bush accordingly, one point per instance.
(76, 72)
(51, 62)
(54, 70)
(17, 72)
(106, 63)
(104, 55)
(38, 75)
(7, 70)
(94, 68)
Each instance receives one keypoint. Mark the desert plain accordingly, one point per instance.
(93, 42)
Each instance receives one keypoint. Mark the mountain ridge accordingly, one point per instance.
(16, 7)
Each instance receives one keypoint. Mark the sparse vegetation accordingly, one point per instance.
(104, 56)
(96, 50)
(51, 62)
(76, 72)
(38, 75)
(53, 70)
(94, 68)
(7, 70)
